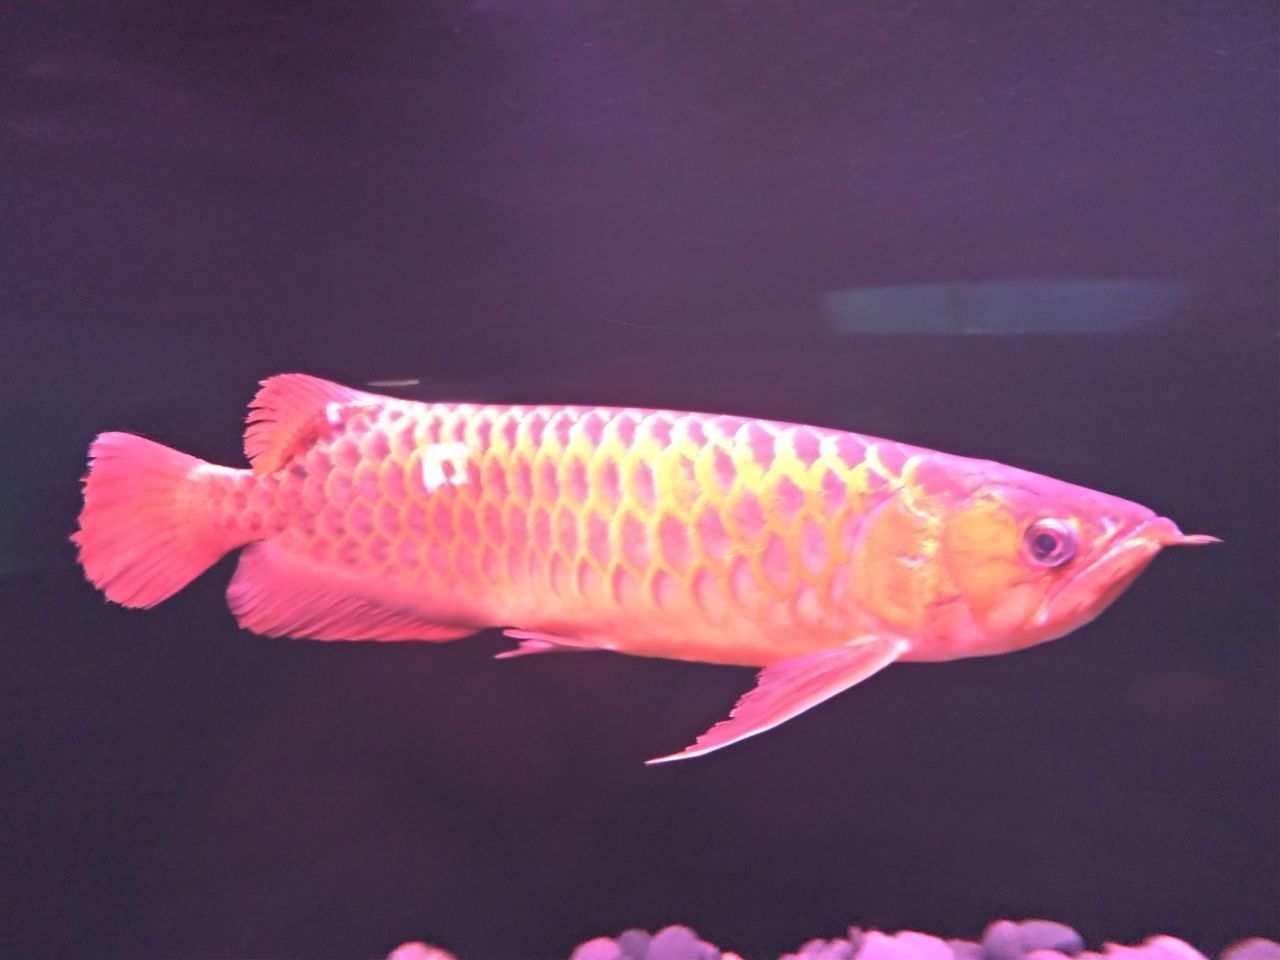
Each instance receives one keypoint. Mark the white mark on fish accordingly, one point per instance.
(440, 455)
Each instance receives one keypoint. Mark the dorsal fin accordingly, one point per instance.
(288, 412)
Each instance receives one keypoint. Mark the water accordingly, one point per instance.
(649, 205)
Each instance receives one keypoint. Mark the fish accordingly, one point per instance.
(816, 555)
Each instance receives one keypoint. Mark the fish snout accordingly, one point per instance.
(1163, 532)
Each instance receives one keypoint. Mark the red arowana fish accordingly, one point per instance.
(818, 555)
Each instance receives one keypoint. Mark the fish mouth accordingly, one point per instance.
(1163, 532)
(1139, 546)
(1095, 586)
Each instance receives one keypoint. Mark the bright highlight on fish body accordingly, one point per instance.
(818, 555)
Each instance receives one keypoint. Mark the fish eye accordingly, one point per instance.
(1050, 543)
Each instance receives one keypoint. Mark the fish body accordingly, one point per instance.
(816, 554)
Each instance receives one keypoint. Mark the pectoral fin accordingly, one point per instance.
(790, 687)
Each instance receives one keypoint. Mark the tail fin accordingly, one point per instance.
(143, 535)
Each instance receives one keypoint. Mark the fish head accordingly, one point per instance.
(1024, 558)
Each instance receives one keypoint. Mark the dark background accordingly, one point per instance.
(640, 203)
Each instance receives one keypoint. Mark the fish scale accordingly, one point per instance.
(585, 520)
(820, 555)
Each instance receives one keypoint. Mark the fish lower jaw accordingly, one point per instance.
(941, 651)
(974, 643)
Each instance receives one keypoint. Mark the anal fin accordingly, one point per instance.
(790, 687)
(281, 596)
